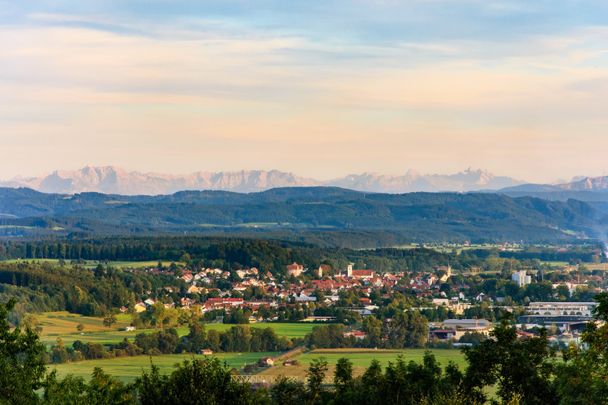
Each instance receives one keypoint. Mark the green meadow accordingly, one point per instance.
(361, 359)
(364, 357)
(63, 325)
(94, 263)
(127, 369)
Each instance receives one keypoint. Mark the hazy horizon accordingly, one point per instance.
(320, 89)
(236, 170)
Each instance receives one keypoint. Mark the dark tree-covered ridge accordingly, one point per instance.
(415, 216)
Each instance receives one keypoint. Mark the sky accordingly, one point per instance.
(318, 88)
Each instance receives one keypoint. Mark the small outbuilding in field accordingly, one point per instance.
(266, 362)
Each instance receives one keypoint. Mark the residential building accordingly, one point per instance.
(357, 334)
(521, 278)
(295, 269)
(359, 274)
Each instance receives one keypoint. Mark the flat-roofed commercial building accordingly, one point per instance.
(564, 314)
(561, 308)
(462, 326)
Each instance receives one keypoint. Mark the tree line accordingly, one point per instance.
(405, 330)
(226, 253)
(236, 339)
(94, 292)
(523, 371)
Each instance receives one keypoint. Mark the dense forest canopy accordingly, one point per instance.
(338, 216)
(272, 254)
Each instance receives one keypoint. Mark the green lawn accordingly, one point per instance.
(129, 368)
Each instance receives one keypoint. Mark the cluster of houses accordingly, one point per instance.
(202, 290)
(322, 287)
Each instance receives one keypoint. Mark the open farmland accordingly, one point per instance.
(93, 263)
(63, 324)
(361, 359)
(127, 369)
(597, 266)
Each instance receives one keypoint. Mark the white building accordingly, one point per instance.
(304, 298)
(462, 326)
(521, 278)
(453, 305)
(562, 308)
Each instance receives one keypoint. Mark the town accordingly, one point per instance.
(460, 309)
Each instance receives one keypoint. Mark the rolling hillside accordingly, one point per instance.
(416, 216)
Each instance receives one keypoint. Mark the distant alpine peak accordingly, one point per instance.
(116, 180)
(577, 184)
(587, 184)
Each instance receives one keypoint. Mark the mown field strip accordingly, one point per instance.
(127, 369)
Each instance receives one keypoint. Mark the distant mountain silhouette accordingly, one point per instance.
(581, 188)
(114, 180)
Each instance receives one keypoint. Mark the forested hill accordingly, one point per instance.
(306, 210)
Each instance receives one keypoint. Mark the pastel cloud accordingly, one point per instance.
(228, 91)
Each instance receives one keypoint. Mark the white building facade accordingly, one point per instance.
(521, 278)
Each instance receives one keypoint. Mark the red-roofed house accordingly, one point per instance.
(363, 274)
(359, 274)
(357, 334)
(213, 303)
(294, 269)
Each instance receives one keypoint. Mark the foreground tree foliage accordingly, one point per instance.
(583, 376)
(101, 389)
(522, 371)
(21, 361)
(522, 368)
(206, 381)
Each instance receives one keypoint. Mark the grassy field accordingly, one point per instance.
(361, 359)
(597, 266)
(448, 248)
(63, 324)
(94, 263)
(127, 369)
(554, 263)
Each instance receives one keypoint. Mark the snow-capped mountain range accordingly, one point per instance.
(578, 184)
(114, 180)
